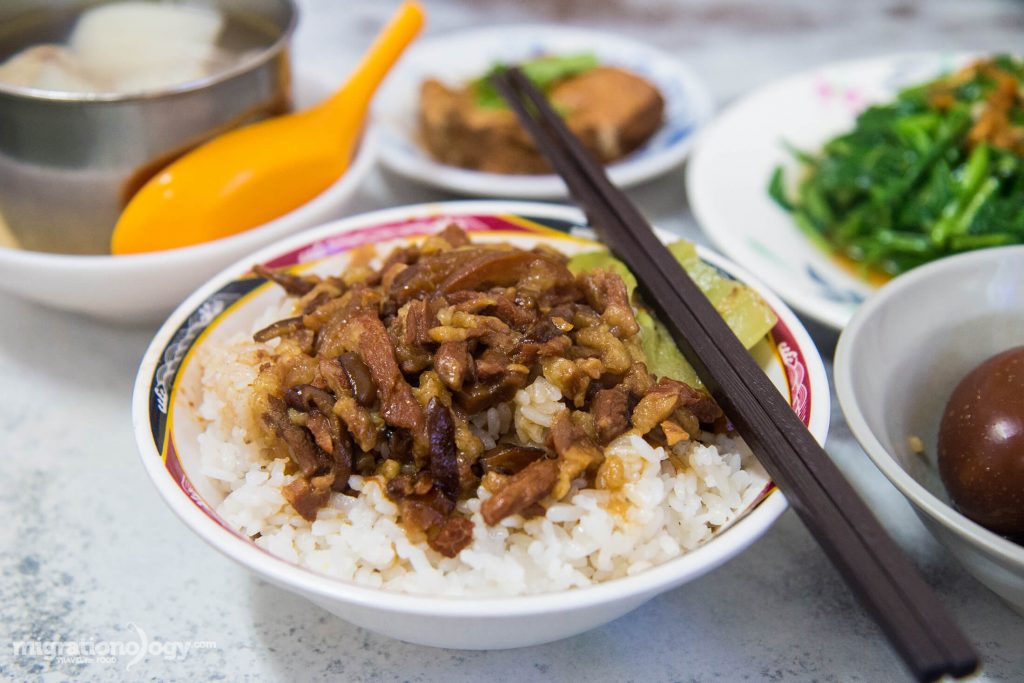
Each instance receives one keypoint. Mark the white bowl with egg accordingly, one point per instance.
(896, 366)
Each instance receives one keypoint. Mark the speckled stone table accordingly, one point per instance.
(89, 554)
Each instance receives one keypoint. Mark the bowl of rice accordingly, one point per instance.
(516, 470)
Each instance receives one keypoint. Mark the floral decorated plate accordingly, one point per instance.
(455, 58)
(728, 176)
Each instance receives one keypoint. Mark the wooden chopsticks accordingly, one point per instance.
(874, 567)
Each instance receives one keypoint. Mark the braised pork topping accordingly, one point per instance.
(391, 372)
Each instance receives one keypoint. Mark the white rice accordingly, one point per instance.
(491, 425)
(596, 535)
(536, 408)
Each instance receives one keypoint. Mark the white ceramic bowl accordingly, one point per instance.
(896, 365)
(457, 57)
(230, 302)
(143, 288)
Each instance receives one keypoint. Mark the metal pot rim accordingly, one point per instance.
(251, 63)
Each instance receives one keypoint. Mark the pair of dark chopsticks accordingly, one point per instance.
(875, 568)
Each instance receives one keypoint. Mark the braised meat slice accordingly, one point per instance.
(398, 407)
(509, 458)
(417, 514)
(431, 514)
(358, 418)
(606, 293)
(454, 235)
(281, 328)
(454, 364)
(697, 402)
(480, 396)
(301, 449)
(576, 452)
(665, 397)
(454, 270)
(455, 534)
(444, 466)
(638, 380)
(490, 267)
(295, 285)
(327, 430)
(475, 268)
(307, 496)
(418, 322)
(520, 491)
(360, 381)
(610, 408)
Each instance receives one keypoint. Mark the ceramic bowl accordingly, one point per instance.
(69, 160)
(457, 57)
(144, 288)
(167, 427)
(896, 365)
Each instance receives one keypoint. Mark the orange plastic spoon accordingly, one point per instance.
(255, 174)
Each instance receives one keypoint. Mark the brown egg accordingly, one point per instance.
(981, 443)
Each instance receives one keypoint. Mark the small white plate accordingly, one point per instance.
(727, 179)
(458, 57)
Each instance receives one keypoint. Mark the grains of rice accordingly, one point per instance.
(491, 425)
(535, 409)
(596, 535)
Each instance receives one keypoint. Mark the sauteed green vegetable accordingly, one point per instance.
(543, 72)
(938, 171)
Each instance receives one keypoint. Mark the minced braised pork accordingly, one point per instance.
(381, 371)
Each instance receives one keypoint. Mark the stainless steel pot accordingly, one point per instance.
(69, 162)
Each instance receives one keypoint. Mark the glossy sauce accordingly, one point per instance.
(873, 276)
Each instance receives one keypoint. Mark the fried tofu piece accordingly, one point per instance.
(611, 110)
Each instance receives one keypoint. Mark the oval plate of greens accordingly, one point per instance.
(550, 54)
(829, 183)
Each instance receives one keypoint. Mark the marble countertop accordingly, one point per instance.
(90, 554)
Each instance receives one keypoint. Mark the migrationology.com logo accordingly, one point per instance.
(131, 651)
